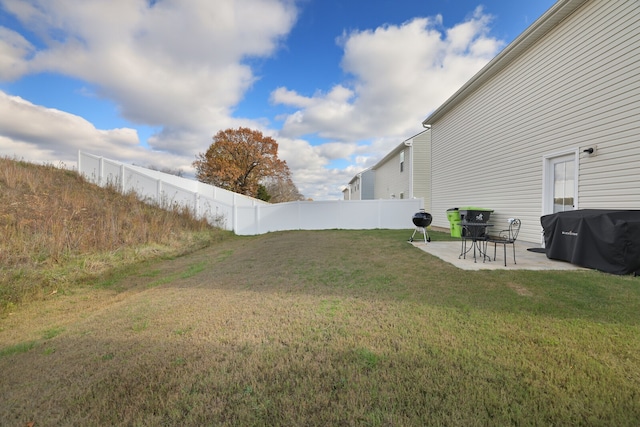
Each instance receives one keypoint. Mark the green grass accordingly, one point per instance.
(52, 333)
(108, 318)
(190, 271)
(22, 347)
(337, 328)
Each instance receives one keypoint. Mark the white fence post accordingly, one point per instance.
(122, 186)
(256, 215)
(101, 172)
(234, 227)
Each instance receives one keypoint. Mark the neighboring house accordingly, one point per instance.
(550, 124)
(361, 186)
(345, 193)
(404, 173)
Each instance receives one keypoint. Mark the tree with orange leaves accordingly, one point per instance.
(241, 159)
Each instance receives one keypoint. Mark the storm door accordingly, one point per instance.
(560, 184)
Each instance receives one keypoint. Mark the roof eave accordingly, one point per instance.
(551, 18)
(406, 143)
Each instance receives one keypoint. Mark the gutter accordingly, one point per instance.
(549, 20)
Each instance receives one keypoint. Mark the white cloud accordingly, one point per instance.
(176, 64)
(13, 50)
(181, 66)
(42, 134)
(328, 115)
(310, 166)
(399, 74)
(336, 150)
(284, 96)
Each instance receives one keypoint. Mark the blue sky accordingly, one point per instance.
(337, 83)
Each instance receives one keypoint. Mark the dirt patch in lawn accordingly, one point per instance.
(519, 289)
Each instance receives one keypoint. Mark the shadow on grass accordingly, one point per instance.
(316, 370)
(380, 265)
(333, 328)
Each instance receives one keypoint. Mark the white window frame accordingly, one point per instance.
(547, 182)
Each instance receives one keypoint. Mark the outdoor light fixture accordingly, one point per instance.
(588, 150)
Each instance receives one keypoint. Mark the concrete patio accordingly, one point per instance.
(526, 260)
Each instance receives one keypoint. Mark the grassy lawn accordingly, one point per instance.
(326, 328)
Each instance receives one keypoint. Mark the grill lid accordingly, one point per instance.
(422, 219)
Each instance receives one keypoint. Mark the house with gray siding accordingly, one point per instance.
(550, 124)
(404, 173)
(361, 186)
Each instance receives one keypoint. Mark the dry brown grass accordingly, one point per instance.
(345, 328)
(325, 328)
(56, 228)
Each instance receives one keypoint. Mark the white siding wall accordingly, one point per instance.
(356, 187)
(389, 180)
(422, 168)
(577, 87)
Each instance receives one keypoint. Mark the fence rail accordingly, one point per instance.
(245, 215)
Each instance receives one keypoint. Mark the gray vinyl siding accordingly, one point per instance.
(367, 184)
(390, 182)
(576, 87)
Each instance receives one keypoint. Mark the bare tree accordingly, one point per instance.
(282, 190)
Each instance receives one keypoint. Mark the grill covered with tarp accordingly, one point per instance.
(605, 240)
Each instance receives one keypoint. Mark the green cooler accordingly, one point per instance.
(453, 215)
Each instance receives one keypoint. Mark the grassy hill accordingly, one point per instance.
(58, 229)
(313, 328)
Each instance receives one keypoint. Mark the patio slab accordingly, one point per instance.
(526, 260)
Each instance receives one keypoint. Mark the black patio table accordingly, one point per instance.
(477, 233)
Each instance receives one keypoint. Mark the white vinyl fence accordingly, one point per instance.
(245, 215)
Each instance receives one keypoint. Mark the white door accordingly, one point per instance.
(561, 183)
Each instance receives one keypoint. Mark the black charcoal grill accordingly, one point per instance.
(421, 220)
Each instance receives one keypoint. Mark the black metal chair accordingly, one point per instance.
(506, 237)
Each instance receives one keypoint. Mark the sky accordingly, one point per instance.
(337, 83)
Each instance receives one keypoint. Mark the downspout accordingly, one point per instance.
(430, 185)
(409, 143)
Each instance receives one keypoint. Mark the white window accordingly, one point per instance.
(560, 183)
